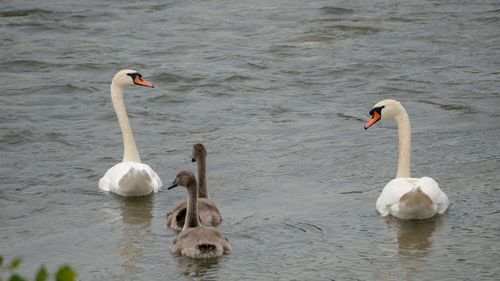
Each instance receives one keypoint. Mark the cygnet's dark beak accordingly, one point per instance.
(174, 184)
(193, 160)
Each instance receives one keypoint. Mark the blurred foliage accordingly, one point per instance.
(42, 274)
(65, 273)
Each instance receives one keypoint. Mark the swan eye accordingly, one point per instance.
(377, 109)
(134, 75)
(138, 75)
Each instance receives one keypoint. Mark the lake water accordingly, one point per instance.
(278, 92)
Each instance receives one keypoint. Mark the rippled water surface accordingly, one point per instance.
(278, 91)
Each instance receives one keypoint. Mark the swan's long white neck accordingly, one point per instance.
(404, 136)
(130, 152)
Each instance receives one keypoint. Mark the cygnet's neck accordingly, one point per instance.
(130, 152)
(404, 136)
(192, 206)
(201, 165)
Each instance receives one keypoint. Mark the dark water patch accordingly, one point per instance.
(167, 98)
(303, 226)
(171, 78)
(29, 65)
(352, 192)
(237, 78)
(356, 30)
(160, 7)
(347, 117)
(465, 109)
(487, 19)
(405, 19)
(314, 226)
(94, 17)
(318, 36)
(283, 51)
(88, 66)
(24, 13)
(27, 26)
(294, 226)
(494, 11)
(336, 10)
(395, 90)
(256, 65)
(17, 136)
(278, 110)
(49, 94)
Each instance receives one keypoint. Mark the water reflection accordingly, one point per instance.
(137, 213)
(137, 210)
(206, 269)
(414, 239)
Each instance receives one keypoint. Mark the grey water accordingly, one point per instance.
(278, 92)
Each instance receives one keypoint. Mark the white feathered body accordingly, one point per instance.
(130, 179)
(412, 198)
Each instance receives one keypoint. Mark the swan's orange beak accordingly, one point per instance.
(373, 120)
(141, 82)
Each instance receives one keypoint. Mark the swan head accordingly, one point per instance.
(129, 77)
(183, 178)
(384, 109)
(199, 152)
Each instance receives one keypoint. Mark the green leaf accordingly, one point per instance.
(1, 260)
(15, 263)
(42, 274)
(16, 277)
(65, 273)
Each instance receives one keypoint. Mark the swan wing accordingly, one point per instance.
(155, 179)
(130, 178)
(431, 188)
(392, 193)
(411, 198)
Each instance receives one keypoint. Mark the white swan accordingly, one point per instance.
(129, 177)
(405, 197)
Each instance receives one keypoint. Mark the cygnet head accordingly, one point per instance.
(183, 178)
(384, 109)
(199, 152)
(128, 77)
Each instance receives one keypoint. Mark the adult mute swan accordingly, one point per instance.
(405, 197)
(208, 212)
(129, 177)
(196, 240)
